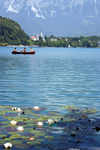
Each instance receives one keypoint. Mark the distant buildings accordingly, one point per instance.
(34, 38)
(55, 40)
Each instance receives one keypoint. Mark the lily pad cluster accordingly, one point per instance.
(28, 128)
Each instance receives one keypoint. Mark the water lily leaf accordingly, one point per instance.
(2, 113)
(24, 137)
(28, 121)
(51, 114)
(69, 107)
(40, 134)
(49, 137)
(12, 133)
(21, 123)
(11, 129)
(2, 135)
(11, 115)
(7, 107)
(54, 112)
(29, 112)
(15, 136)
(33, 142)
(5, 122)
(8, 139)
(67, 119)
(15, 142)
(2, 142)
(30, 125)
(34, 131)
(22, 146)
(40, 140)
(90, 111)
(42, 118)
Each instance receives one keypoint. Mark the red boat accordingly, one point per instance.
(14, 52)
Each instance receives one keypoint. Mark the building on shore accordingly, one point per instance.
(34, 38)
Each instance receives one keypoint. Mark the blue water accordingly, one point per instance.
(51, 78)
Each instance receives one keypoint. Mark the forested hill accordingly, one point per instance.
(11, 32)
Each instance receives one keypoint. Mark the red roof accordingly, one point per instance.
(33, 37)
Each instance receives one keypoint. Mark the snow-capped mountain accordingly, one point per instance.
(54, 17)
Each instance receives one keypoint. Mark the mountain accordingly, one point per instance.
(11, 32)
(54, 17)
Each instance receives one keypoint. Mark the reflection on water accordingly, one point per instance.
(51, 78)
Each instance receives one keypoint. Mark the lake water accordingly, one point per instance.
(51, 78)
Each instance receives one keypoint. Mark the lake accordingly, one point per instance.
(51, 78)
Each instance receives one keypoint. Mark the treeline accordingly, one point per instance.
(53, 41)
(11, 33)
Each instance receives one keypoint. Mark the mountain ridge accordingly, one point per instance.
(60, 17)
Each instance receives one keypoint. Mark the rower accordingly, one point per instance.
(23, 50)
(31, 50)
(15, 50)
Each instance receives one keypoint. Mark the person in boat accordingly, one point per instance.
(23, 50)
(15, 50)
(31, 50)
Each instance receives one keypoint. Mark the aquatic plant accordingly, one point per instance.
(36, 130)
(13, 122)
(36, 108)
(14, 108)
(40, 124)
(20, 128)
(50, 121)
(7, 145)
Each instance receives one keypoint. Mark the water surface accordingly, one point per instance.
(51, 78)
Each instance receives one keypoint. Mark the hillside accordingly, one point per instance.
(11, 32)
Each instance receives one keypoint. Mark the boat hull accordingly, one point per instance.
(23, 52)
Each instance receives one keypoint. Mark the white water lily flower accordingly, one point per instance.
(14, 108)
(13, 122)
(50, 121)
(7, 145)
(20, 128)
(40, 124)
(19, 110)
(36, 108)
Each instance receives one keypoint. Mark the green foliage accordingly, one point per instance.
(53, 41)
(11, 32)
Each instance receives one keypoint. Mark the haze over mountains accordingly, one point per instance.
(54, 17)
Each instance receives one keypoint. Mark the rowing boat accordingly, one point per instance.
(23, 52)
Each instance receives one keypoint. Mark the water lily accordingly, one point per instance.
(50, 121)
(40, 124)
(20, 128)
(14, 108)
(19, 110)
(7, 145)
(36, 108)
(13, 122)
